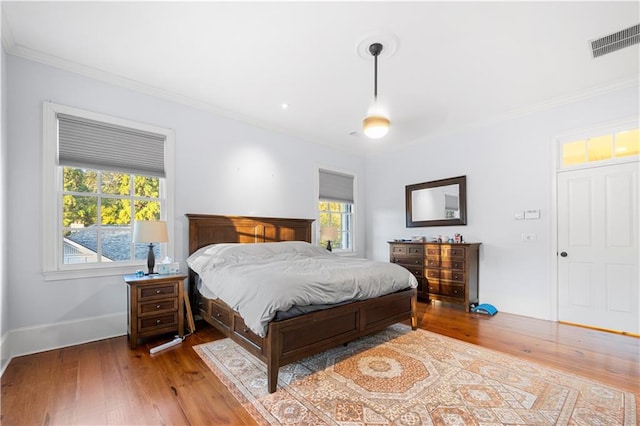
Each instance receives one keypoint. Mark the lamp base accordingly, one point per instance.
(329, 246)
(151, 260)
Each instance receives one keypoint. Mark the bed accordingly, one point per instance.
(292, 338)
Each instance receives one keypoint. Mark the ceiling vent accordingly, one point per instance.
(616, 41)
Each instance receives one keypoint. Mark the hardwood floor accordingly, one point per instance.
(105, 382)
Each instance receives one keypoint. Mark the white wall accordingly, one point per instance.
(4, 286)
(509, 169)
(222, 167)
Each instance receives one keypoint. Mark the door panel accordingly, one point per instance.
(598, 229)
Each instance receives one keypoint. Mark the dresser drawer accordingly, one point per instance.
(417, 272)
(454, 252)
(433, 286)
(450, 275)
(399, 249)
(158, 306)
(433, 262)
(157, 291)
(433, 273)
(452, 290)
(158, 321)
(407, 261)
(433, 251)
(457, 264)
(415, 250)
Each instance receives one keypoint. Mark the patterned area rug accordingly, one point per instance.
(404, 377)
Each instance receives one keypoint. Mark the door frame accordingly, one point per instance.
(555, 143)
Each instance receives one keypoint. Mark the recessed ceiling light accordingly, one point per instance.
(284, 105)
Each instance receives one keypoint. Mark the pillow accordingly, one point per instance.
(209, 257)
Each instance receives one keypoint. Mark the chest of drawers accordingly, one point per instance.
(446, 272)
(411, 257)
(156, 306)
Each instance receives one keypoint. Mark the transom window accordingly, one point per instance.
(604, 147)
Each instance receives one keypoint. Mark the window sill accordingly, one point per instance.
(70, 274)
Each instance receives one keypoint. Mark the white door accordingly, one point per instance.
(598, 233)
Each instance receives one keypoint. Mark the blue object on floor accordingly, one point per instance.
(485, 308)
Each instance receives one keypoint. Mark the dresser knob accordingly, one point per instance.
(218, 315)
(246, 330)
(157, 321)
(157, 291)
(157, 306)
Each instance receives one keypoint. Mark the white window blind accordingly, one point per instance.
(336, 187)
(93, 144)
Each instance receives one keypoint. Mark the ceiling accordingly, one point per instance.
(445, 65)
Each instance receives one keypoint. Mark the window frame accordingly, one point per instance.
(53, 267)
(610, 128)
(353, 175)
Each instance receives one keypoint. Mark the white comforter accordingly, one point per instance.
(258, 280)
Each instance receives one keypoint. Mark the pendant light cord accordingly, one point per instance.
(375, 77)
(375, 50)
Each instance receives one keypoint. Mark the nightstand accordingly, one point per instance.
(156, 305)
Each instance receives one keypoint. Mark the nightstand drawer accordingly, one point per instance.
(158, 306)
(160, 321)
(157, 291)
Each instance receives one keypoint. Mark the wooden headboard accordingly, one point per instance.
(213, 229)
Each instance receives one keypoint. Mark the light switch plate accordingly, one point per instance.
(532, 214)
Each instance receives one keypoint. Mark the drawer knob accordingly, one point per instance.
(218, 315)
(157, 321)
(157, 291)
(246, 330)
(455, 291)
(158, 306)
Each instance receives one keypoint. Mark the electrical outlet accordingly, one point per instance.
(529, 237)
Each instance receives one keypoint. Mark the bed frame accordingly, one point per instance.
(299, 337)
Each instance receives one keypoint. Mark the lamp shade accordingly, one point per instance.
(375, 126)
(151, 231)
(328, 233)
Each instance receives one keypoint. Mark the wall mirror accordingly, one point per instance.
(437, 203)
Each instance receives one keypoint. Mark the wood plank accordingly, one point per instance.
(107, 383)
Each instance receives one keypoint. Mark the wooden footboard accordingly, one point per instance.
(299, 337)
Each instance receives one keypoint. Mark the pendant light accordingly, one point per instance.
(375, 126)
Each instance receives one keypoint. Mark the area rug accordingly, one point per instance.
(404, 377)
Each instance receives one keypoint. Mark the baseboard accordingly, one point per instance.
(29, 340)
(5, 359)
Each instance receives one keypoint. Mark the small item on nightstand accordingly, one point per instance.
(439, 238)
(457, 238)
(139, 273)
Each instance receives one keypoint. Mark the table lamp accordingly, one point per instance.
(151, 231)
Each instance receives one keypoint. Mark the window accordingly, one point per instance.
(335, 209)
(101, 173)
(610, 147)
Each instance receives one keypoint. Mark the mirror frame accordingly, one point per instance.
(462, 220)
